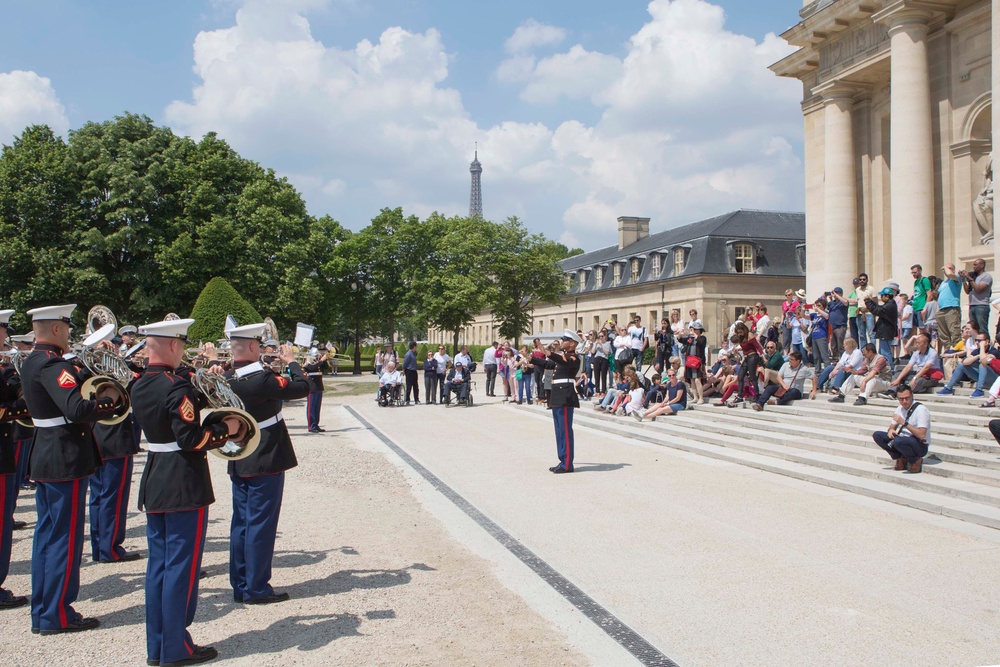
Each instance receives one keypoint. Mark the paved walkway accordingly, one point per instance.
(715, 563)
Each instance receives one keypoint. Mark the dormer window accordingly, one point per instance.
(680, 260)
(616, 278)
(743, 257)
(583, 280)
(568, 280)
(598, 276)
(656, 261)
(635, 271)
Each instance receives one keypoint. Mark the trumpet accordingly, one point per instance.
(224, 402)
(107, 369)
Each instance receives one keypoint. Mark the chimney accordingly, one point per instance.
(631, 230)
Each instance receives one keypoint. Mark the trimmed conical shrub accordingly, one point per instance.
(216, 301)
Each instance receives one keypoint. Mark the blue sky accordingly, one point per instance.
(583, 110)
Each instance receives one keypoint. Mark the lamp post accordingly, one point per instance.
(357, 287)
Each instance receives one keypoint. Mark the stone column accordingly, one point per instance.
(996, 118)
(840, 200)
(912, 166)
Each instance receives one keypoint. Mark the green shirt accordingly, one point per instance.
(775, 361)
(852, 311)
(920, 289)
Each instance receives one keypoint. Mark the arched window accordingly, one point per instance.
(743, 255)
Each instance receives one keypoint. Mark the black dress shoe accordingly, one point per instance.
(20, 525)
(321, 429)
(203, 575)
(29, 486)
(153, 662)
(201, 654)
(554, 468)
(561, 471)
(13, 601)
(124, 558)
(270, 599)
(78, 625)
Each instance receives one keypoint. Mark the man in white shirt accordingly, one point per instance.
(763, 320)
(925, 364)
(639, 342)
(442, 359)
(490, 366)
(850, 362)
(463, 357)
(909, 435)
(390, 380)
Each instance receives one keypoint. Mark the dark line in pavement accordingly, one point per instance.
(628, 638)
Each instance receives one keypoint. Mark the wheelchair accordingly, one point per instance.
(468, 401)
(394, 397)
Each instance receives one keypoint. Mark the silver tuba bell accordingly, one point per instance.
(106, 368)
(224, 402)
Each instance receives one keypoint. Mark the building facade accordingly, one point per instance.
(897, 103)
(717, 266)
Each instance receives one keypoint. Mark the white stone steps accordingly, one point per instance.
(984, 514)
(664, 429)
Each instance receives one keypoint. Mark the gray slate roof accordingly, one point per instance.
(778, 239)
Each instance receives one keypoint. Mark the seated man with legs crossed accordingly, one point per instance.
(925, 364)
(791, 383)
(872, 378)
(851, 360)
(909, 434)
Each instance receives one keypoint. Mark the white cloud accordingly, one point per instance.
(692, 123)
(531, 35)
(28, 99)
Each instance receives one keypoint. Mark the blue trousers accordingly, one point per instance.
(562, 418)
(56, 553)
(8, 495)
(109, 492)
(313, 404)
(905, 446)
(524, 386)
(22, 454)
(176, 543)
(256, 507)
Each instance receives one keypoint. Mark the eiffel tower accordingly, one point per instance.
(476, 192)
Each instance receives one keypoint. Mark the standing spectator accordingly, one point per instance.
(752, 351)
(909, 435)
(693, 314)
(697, 359)
(979, 286)
(787, 312)
(866, 320)
(837, 309)
(852, 310)
(490, 366)
(464, 358)
(798, 323)
(379, 361)
(664, 346)
(676, 328)
(638, 341)
(538, 354)
(508, 377)
(925, 364)
(623, 348)
(907, 318)
(523, 374)
(410, 373)
(430, 379)
(921, 289)
(442, 359)
(886, 328)
(819, 334)
(587, 353)
(602, 352)
(928, 317)
(791, 383)
(763, 323)
(949, 315)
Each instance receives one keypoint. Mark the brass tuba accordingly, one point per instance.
(106, 368)
(224, 402)
(15, 358)
(99, 317)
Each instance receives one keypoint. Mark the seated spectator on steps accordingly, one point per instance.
(873, 377)
(655, 392)
(612, 394)
(909, 434)
(715, 380)
(635, 396)
(791, 383)
(457, 382)
(851, 360)
(390, 379)
(676, 400)
(925, 367)
(973, 365)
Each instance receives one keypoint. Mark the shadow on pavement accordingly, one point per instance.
(305, 633)
(349, 580)
(599, 467)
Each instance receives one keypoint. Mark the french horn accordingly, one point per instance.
(106, 368)
(224, 402)
(15, 358)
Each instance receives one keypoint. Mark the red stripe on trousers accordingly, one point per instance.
(566, 435)
(118, 511)
(69, 556)
(198, 537)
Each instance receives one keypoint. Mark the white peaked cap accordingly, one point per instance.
(52, 313)
(569, 334)
(247, 331)
(167, 328)
(5, 315)
(107, 332)
(127, 329)
(24, 338)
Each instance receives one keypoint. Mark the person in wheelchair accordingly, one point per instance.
(389, 384)
(457, 382)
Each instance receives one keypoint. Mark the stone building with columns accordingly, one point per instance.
(897, 102)
(717, 266)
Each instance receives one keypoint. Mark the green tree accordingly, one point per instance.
(217, 300)
(564, 252)
(525, 271)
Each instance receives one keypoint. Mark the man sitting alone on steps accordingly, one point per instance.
(909, 435)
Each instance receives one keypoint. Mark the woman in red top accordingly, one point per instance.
(752, 352)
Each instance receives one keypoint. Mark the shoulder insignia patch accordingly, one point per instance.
(3, 411)
(66, 380)
(187, 410)
(282, 382)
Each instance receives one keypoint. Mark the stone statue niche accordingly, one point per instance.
(983, 205)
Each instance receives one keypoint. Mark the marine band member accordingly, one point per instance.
(563, 399)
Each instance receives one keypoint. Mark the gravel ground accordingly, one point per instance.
(375, 580)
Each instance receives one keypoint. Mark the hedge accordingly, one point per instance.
(217, 300)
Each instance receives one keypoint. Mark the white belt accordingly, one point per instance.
(272, 421)
(313, 374)
(49, 423)
(564, 381)
(163, 447)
